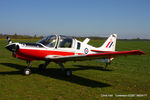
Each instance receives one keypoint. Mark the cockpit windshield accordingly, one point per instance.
(57, 41)
(48, 41)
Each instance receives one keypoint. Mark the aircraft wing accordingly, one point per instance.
(97, 55)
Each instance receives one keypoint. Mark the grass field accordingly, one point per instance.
(126, 76)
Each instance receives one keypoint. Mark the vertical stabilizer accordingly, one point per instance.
(110, 43)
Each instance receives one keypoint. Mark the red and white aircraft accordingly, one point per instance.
(60, 49)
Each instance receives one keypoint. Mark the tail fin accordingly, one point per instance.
(9, 40)
(110, 43)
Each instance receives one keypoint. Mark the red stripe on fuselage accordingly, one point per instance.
(41, 54)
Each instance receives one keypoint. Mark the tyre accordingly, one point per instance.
(42, 67)
(68, 72)
(27, 72)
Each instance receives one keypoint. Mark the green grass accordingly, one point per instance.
(126, 75)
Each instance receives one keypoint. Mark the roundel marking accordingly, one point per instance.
(86, 50)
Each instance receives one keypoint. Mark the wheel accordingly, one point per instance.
(42, 67)
(27, 71)
(68, 72)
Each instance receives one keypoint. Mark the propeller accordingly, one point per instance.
(11, 46)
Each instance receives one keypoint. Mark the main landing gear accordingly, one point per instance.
(105, 68)
(67, 72)
(42, 67)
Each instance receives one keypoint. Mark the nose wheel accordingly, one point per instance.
(27, 71)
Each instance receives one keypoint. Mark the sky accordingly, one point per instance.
(127, 18)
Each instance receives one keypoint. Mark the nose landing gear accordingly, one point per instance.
(27, 71)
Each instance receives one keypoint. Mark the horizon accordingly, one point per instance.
(127, 18)
(38, 36)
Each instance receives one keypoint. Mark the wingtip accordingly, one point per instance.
(141, 52)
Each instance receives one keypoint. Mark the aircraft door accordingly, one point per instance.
(66, 44)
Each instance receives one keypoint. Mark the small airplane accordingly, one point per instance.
(60, 49)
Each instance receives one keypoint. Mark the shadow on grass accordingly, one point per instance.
(57, 74)
(85, 67)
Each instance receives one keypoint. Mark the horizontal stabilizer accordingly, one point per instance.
(86, 40)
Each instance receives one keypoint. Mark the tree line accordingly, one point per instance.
(17, 36)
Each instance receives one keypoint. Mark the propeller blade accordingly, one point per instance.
(9, 40)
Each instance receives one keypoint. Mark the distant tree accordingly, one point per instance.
(35, 36)
(138, 38)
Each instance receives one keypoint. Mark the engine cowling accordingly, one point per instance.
(12, 47)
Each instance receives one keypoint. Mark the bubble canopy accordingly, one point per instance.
(59, 41)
